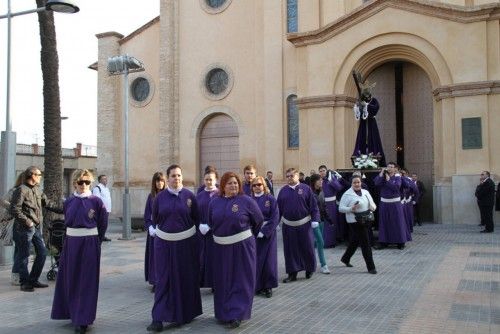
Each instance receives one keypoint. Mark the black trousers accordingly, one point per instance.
(487, 217)
(358, 237)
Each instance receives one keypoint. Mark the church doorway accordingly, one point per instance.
(405, 121)
(219, 145)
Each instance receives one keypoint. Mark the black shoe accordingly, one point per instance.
(485, 231)
(38, 284)
(347, 264)
(380, 246)
(290, 278)
(155, 326)
(81, 329)
(373, 271)
(106, 239)
(419, 223)
(401, 246)
(26, 287)
(309, 274)
(234, 323)
(268, 293)
(152, 289)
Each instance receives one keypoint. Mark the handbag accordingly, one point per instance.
(365, 217)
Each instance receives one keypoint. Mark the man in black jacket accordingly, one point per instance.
(26, 207)
(485, 194)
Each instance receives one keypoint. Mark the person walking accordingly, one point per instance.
(101, 190)
(357, 200)
(26, 207)
(316, 186)
(157, 185)
(177, 269)
(234, 219)
(77, 284)
(267, 245)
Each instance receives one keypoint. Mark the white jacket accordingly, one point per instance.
(350, 197)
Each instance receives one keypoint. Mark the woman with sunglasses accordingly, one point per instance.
(267, 247)
(204, 197)
(157, 185)
(77, 284)
(234, 219)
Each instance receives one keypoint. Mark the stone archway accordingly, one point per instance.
(219, 144)
(406, 127)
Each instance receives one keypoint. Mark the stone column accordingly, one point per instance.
(169, 83)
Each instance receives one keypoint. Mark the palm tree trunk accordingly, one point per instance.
(51, 106)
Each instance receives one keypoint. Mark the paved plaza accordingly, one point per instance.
(447, 280)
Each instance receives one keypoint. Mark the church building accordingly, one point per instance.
(269, 83)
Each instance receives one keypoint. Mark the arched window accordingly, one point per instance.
(293, 121)
(291, 12)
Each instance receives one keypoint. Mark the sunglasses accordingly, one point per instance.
(257, 185)
(38, 174)
(82, 182)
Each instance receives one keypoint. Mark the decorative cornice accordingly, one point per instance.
(467, 89)
(140, 30)
(325, 101)
(455, 13)
(109, 34)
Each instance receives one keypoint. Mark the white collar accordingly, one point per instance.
(174, 191)
(295, 186)
(210, 189)
(258, 195)
(82, 195)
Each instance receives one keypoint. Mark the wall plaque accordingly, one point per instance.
(471, 133)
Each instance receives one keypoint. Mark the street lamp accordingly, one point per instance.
(119, 65)
(8, 146)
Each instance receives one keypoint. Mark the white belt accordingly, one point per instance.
(390, 200)
(296, 222)
(330, 199)
(81, 232)
(232, 239)
(176, 236)
(264, 223)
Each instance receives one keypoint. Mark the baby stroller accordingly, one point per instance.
(57, 231)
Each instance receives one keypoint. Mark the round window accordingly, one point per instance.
(215, 3)
(140, 89)
(217, 81)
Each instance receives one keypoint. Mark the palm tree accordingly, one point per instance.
(51, 104)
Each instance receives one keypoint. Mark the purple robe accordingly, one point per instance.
(267, 247)
(247, 188)
(368, 138)
(411, 195)
(234, 264)
(206, 241)
(333, 230)
(77, 285)
(177, 269)
(298, 241)
(392, 223)
(149, 259)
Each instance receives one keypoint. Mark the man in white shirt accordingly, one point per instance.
(102, 191)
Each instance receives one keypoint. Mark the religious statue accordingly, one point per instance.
(368, 141)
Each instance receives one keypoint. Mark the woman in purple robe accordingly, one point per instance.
(267, 246)
(392, 223)
(204, 235)
(330, 187)
(234, 219)
(157, 185)
(77, 284)
(177, 268)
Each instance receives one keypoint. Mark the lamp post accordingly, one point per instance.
(119, 65)
(8, 148)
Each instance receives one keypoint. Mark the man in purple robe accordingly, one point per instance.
(177, 292)
(392, 224)
(331, 186)
(300, 214)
